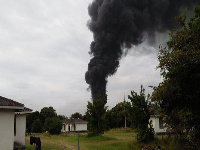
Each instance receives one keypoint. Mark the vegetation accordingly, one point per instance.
(115, 117)
(140, 115)
(37, 126)
(95, 114)
(115, 139)
(52, 125)
(46, 120)
(179, 93)
(76, 115)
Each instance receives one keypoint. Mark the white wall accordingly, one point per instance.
(155, 123)
(67, 128)
(81, 127)
(20, 128)
(6, 129)
(63, 128)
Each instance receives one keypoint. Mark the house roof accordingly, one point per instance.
(10, 104)
(24, 111)
(73, 121)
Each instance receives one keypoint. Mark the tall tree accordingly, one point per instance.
(179, 93)
(140, 115)
(96, 115)
(47, 112)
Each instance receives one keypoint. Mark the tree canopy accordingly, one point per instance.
(115, 117)
(95, 114)
(45, 120)
(179, 93)
(76, 115)
(140, 115)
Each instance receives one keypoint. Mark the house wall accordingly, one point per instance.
(78, 127)
(155, 123)
(6, 129)
(20, 128)
(81, 127)
(63, 128)
(67, 126)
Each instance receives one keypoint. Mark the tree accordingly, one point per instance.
(140, 115)
(179, 93)
(52, 125)
(47, 112)
(37, 126)
(62, 117)
(30, 118)
(96, 115)
(76, 115)
(46, 120)
(115, 117)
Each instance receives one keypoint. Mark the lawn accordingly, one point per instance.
(115, 139)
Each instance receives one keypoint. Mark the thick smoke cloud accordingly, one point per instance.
(118, 24)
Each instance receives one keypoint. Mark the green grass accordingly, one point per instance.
(115, 139)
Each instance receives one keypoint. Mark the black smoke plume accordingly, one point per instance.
(119, 24)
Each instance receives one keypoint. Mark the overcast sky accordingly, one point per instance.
(44, 48)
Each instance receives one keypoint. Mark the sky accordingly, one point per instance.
(44, 49)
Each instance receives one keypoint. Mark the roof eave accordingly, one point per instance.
(11, 107)
(24, 112)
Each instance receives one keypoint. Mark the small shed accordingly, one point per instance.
(74, 125)
(12, 123)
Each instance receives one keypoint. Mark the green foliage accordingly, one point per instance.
(52, 125)
(179, 93)
(47, 112)
(46, 120)
(36, 126)
(115, 118)
(30, 118)
(76, 115)
(115, 139)
(140, 115)
(62, 117)
(96, 115)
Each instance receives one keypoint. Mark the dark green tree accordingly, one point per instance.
(140, 115)
(30, 118)
(179, 93)
(47, 112)
(62, 117)
(76, 115)
(96, 115)
(36, 126)
(52, 125)
(115, 117)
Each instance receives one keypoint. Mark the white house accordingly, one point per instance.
(158, 125)
(73, 125)
(12, 123)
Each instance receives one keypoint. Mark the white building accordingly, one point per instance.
(73, 125)
(12, 123)
(158, 125)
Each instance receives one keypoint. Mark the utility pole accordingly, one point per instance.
(124, 113)
(78, 141)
